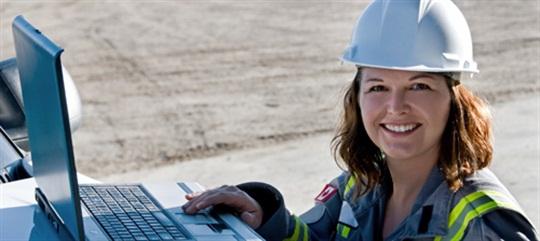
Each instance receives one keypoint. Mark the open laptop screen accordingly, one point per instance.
(40, 70)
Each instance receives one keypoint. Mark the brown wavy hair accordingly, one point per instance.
(465, 143)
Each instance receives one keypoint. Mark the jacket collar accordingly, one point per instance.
(434, 198)
(431, 209)
(429, 213)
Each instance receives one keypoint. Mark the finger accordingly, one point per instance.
(190, 196)
(251, 219)
(210, 198)
(201, 201)
(228, 195)
(233, 199)
(193, 200)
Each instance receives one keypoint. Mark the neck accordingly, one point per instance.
(409, 176)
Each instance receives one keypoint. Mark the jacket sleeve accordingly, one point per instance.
(501, 224)
(319, 223)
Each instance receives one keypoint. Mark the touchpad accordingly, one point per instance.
(208, 229)
(195, 218)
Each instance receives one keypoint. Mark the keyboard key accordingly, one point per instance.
(126, 213)
(163, 218)
(153, 237)
(165, 236)
(147, 230)
(125, 235)
(141, 238)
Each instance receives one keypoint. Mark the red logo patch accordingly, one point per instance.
(328, 192)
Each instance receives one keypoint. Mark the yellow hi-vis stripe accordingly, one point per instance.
(296, 232)
(473, 214)
(456, 232)
(350, 184)
(298, 226)
(458, 209)
(305, 238)
(345, 231)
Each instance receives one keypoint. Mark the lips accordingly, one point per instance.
(401, 128)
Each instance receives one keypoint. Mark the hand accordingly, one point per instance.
(250, 211)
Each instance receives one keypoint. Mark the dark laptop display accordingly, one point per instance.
(109, 212)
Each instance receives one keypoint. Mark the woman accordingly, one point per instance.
(414, 140)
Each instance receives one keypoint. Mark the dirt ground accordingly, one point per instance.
(224, 82)
(167, 81)
(300, 168)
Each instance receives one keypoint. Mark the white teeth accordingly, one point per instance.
(400, 128)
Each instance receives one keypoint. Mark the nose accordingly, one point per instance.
(397, 103)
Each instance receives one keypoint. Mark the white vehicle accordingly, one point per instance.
(15, 158)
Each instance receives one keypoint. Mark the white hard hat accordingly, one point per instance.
(414, 35)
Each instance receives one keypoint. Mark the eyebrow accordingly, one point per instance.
(421, 76)
(374, 80)
(418, 76)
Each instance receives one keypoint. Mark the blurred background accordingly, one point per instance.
(244, 83)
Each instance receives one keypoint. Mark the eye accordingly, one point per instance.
(420, 86)
(376, 88)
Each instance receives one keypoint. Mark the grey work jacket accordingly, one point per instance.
(482, 210)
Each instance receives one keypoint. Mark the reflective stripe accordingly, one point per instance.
(305, 232)
(345, 231)
(470, 207)
(342, 229)
(298, 226)
(507, 203)
(458, 209)
(471, 215)
(350, 184)
(296, 233)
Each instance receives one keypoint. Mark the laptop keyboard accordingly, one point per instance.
(126, 212)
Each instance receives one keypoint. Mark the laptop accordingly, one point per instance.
(97, 211)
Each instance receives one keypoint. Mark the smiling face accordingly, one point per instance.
(404, 112)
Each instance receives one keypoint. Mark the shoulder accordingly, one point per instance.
(483, 186)
(327, 203)
(483, 179)
(506, 225)
(340, 181)
(489, 209)
(340, 185)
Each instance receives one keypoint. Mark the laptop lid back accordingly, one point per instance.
(38, 60)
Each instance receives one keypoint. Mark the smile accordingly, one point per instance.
(400, 128)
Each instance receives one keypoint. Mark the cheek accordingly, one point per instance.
(364, 104)
(371, 106)
(436, 110)
(369, 114)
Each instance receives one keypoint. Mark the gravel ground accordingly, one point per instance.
(168, 81)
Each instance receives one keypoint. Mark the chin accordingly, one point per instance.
(398, 156)
(400, 153)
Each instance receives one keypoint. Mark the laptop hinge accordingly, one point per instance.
(53, 217)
